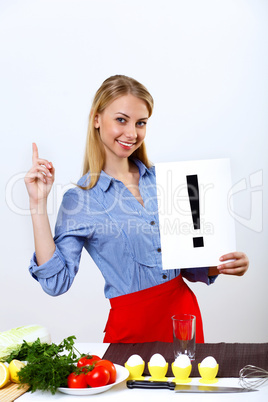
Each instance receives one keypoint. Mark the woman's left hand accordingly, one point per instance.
(237, 267)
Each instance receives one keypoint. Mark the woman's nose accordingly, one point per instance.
(131, 132)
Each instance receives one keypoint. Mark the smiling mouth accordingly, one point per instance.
(126, 144)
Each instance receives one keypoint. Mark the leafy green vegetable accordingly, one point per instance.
(12, 340)
(48, 365)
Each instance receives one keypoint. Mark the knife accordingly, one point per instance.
(184, 388)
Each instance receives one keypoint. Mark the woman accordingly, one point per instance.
(113, 214)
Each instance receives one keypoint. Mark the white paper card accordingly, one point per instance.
(176, 186)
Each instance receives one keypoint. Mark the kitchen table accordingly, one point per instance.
(120, 392)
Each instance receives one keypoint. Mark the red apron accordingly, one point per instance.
(145, 316)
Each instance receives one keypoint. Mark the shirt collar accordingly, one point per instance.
(105, 180)
(142, 168)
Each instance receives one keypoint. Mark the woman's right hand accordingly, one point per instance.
(39, 179)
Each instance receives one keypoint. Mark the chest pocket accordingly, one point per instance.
(142, 239)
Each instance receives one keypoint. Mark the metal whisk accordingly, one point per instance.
(252, 376)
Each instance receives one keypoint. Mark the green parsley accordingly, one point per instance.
(48, 365)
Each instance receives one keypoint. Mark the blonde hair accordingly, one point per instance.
(111, 89)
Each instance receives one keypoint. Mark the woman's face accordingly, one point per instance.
(122, 126)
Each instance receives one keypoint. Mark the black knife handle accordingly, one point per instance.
(151, 384)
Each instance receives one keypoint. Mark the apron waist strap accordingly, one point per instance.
(150, 293)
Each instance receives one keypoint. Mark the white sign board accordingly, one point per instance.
(196, 227)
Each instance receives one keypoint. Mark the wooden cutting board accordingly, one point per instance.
(12, 391)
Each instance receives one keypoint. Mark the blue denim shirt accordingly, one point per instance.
(120, 234)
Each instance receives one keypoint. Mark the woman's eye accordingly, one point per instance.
(141, 123)
(121, 119)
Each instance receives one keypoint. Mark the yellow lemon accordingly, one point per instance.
(14, 368)
(4, 375)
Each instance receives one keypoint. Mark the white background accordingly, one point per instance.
(205, 62)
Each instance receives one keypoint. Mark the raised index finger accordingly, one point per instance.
(35, 153)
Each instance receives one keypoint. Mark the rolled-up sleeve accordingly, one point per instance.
(198, 275)
(57, 274)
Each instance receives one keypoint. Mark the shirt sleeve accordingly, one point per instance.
(198, 275)
(57, 274)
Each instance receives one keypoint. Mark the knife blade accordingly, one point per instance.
(185, 388)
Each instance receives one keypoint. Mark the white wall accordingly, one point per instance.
(205, 62)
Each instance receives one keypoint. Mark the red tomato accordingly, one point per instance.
(98, 377)
(110, 367)
(77, 380)
(87, 360)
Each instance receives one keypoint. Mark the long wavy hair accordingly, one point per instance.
(111, 89)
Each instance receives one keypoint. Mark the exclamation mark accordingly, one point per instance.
(193, 192)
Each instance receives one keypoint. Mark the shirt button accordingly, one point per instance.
(159, 249)
(164, 276)
(152, 223)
